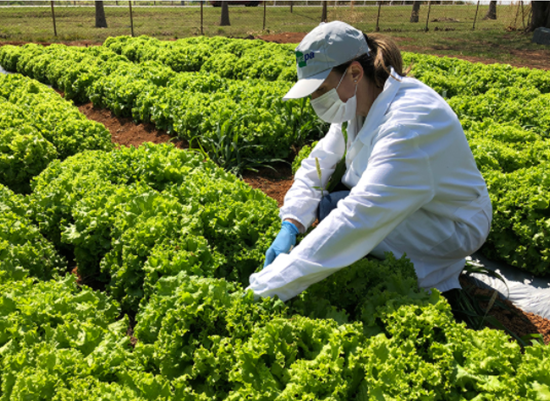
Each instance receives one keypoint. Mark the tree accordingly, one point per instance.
(492, 12)
(540, 16)
(225, 14)
(100, 20)
(415, 11)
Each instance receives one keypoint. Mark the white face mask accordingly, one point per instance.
(331, 109)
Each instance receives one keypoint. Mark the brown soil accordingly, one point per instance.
(81, 43)
(287, 37)
(514, 319)
(125, 131)
(529, 58)
(274, 184)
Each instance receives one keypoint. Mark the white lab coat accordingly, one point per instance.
(415, 189)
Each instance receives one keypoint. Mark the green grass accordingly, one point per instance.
(451, 34)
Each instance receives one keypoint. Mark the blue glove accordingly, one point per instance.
(285, 240)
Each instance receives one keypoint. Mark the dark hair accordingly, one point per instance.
(383, 54)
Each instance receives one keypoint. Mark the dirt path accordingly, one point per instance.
(125, 132)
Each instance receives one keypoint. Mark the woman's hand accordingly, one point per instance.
(285, 240)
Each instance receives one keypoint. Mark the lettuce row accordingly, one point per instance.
(59, 341)
(212, 343)
(24, 251)
(230, 58)
(36, 127)
(454, 77)
(131, 216)
(256, 122)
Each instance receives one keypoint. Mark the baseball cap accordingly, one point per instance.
(327, 46)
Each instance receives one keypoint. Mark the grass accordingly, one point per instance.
(450, 26)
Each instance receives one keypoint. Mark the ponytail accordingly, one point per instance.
(384, 54)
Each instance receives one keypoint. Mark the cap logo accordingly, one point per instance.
(302, 58)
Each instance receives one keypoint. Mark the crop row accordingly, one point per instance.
(247, 117)
(245, 59)
(229, 58)
(168, 240)
(36, 127)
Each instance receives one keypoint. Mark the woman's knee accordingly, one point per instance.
(329, 202)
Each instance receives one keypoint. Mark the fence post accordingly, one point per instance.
(517, 15)
(202, 18)
(378, 18)
(53, 17)
(428, 18)
(265, 7)
(131, 18)
(324, 13)
(291, 4)
(475, 18)
(522, 16)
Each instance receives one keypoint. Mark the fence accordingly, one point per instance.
(43, 21)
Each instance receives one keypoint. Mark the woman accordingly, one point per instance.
(413, 186)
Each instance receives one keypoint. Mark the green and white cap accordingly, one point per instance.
(326, 46)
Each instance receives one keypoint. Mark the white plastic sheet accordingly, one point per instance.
(2, 71)
(525, 291)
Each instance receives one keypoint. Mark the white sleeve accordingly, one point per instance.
(397, 182)
(302, 199)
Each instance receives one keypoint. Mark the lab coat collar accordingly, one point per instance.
(378, 110)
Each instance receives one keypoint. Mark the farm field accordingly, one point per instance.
(162, 240)
(450, 26)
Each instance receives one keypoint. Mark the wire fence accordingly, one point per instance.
(42, 21)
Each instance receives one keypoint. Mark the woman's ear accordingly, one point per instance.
(356, 71)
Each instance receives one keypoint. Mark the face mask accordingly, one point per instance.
(330, 108)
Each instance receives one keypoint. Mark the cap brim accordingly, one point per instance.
(306, 86)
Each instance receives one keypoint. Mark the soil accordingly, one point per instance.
(274, 184)
(514, 319)
(81, 43)
(125, 131)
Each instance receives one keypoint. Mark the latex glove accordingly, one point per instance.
(285, 240)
